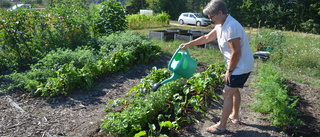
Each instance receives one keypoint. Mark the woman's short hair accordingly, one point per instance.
(214, 6)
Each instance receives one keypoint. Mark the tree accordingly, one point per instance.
(111, 18)
(137, 5)
(173, 8)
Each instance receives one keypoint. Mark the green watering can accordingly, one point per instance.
(182, 66)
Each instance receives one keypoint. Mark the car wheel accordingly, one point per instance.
(198, 23)
(181, 22)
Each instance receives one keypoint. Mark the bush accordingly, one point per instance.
(18, 51)
(28, 35)
(310, 26)
(5, 4)
(110, 19)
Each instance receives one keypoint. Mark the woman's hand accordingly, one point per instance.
(184, 46)
(227, 77)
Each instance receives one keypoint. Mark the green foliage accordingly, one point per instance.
(140, 21)
(310, 26)
(142, 108)
(110, 19)
(141, 50)
(69, 25)
(17, 51)
(296, 52)
(267, 40)
(274, 100)
(26, 36)
(278, 14)
(5, 4)
(202, 85)
(137, 5)
(54, 74)
(147, 113)
(283, 15)
(63, 70)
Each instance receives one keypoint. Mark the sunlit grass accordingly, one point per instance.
(301, 56)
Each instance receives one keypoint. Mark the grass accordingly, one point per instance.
(298, 59)
(301, 58)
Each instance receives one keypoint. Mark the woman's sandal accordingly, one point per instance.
(235, 121)
(215, 130)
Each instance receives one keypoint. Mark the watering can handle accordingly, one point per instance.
(175, 55)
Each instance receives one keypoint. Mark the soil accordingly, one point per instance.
(80, 112)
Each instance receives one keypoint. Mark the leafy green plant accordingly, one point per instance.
(140, 49)
(147, 113)
(201, 86)
(63, 70)
(274, 100)
(57, 66)
(141, 109)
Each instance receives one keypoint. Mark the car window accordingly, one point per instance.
(185, 15)
(191, 15)
(198, 15)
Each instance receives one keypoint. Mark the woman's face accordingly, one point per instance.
(212, 18)
(217, 18)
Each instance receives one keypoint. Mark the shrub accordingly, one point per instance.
(17, 50)
(310, 26)
(5, 4)
(110, 19)
(27, 35)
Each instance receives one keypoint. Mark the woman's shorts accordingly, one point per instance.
(237, 81)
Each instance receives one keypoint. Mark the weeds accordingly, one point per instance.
(274, 100)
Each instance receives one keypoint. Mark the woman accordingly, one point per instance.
(234, 45)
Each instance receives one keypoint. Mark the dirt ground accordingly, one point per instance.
(80, 112)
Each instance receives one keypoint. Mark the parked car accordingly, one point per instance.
(27, 6)
(194, 18)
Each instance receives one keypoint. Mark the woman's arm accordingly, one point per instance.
(235, 56)
(201, 40)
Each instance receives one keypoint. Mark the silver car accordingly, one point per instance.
(194, 18)
(27, 6)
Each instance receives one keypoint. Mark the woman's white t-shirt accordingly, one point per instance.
(232, 29)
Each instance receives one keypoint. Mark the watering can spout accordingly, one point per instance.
(173, 77)
(182, 66)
